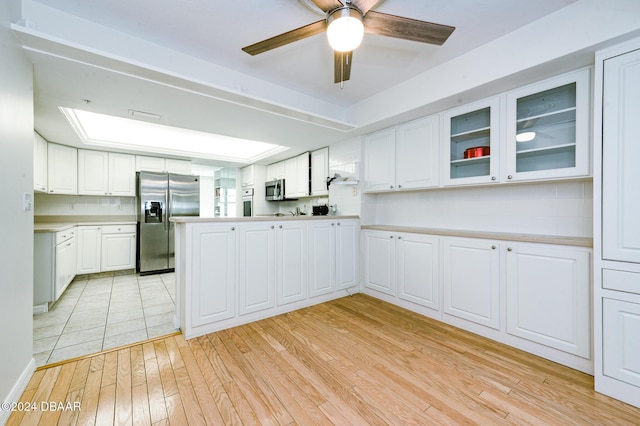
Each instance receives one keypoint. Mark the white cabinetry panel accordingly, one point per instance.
(89, 249)
(257, 267)
(621, 335)
(379, 160)
(347, 253)
(471, 281)
(39, 163)
(417, 157)
(291, 258)
(122, 175)
(418, 269)
(213, 268)
(548, 297)
(62, 169)
(322, 257)
(319, 171)
(93, 172)
(380, 252)
(621, 177)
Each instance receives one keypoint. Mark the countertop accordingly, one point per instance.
(62, 223)
(503, 236)
(195, 219)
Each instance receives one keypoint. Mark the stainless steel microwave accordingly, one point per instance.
(274, 190)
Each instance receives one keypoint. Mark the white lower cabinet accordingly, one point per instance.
(380, 255)
(418, 269)
(403, 265)
(621, 336)
(256, 267)
(118, 249)
(322, 257)
(548, 296)
(291, 262)
(211, 274)
(89, 249)
(532, 296)
(233, 273)
(472, 280)
(66, 255)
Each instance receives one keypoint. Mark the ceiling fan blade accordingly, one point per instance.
(365, 5)
(406, 28)
(327, 5)
(342, 66)
(286, 38)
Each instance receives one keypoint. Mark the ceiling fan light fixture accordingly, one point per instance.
(345, 29)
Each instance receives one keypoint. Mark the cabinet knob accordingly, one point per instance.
(280, 226)
(493, 178)
(493, 247)
(338, 223)
(333, 224)
(391, 236)
(509, 249)
(233, 228)
(390, 186)
(272, 226)
(509, 177)
(399, 186)
(51, 190)
(399, 237)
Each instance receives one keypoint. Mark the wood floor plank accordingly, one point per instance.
(355, 360)
(106, 405)
(123, 408)
(58, 395)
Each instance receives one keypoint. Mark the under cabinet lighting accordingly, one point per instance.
(525, 136)
(125, 133)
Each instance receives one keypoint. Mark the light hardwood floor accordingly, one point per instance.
(352, 361)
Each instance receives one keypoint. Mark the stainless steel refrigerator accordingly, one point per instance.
(161, 196)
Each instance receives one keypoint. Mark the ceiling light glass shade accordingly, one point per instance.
(525, 136)
(345, 29)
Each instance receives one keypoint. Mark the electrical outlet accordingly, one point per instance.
(354, 191)
(27, 201)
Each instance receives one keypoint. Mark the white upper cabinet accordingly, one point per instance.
(296, 176)
(106, 173)
(62, 169)
(417, 153)
(471, 143)
(182, 167)
(275, 171)
(248, 176)
(379, 161)
(161, 165)
(620, 159)
(403, 157)
(39, 163)
(319, 171)
(548, 129)
(150, 164)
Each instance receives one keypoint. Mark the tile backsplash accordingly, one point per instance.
(555, 208)
(83, 205)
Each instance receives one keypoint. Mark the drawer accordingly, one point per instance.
(621, 280)
(118, 229)
(65, 235)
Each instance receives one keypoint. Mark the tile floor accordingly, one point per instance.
(96, 314)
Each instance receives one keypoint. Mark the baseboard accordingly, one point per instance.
(18, 389)
(40, 309)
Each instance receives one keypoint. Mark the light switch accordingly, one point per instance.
(27, 201)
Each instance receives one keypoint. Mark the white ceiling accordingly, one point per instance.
(215, 31)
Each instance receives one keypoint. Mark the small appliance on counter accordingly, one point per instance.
(322, 210)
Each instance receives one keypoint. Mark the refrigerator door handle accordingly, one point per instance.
(167, 213)
(170, 207)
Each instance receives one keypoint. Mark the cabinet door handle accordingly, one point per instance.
(338, 223)
(493, 178)
(399, 237)
(272, 226)
(399, 186)
(390, 186)
(509, 177)
(333, 224)
(391, 236)
(493, 247)
(509, 249)
(233, 228)
(280, 226)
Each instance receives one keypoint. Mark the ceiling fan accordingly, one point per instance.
(355, 17)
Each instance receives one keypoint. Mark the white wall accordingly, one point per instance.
(16, 225)
(83, 205)
(558, 208)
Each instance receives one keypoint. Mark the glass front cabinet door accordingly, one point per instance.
(548, 129)
(471, 143)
